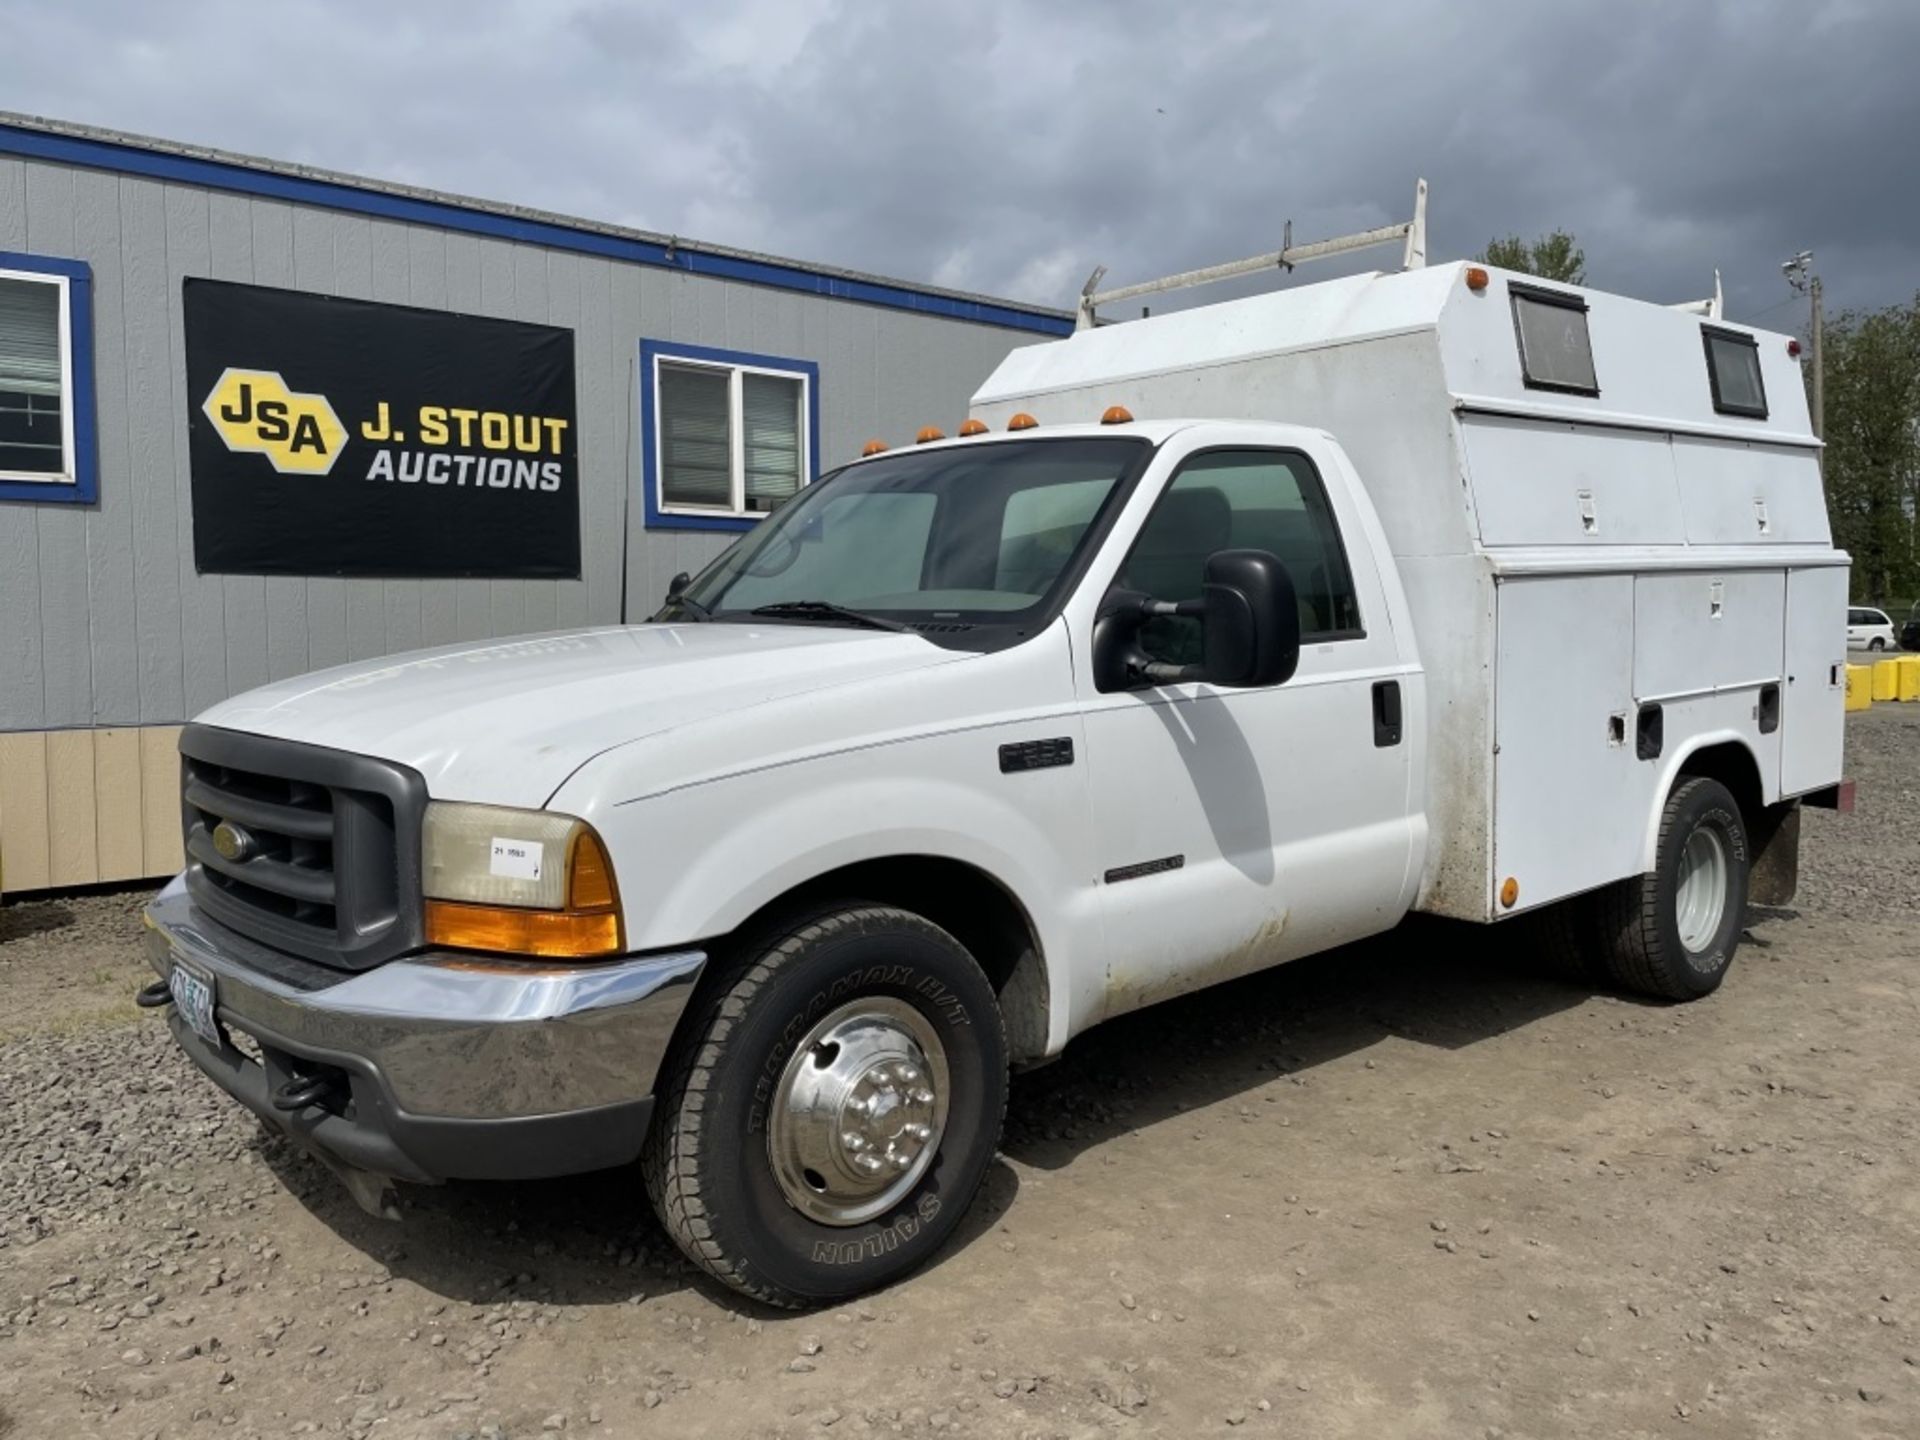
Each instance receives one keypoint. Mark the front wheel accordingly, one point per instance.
(834, 1110)
(1672, 934)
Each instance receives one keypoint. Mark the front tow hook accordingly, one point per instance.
(302, 1091)
(154, 996)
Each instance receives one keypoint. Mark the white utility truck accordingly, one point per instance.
(1463, 593)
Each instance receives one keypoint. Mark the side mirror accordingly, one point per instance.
(1249, 621)
(678, 584)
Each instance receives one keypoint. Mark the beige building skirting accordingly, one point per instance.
(81, 806)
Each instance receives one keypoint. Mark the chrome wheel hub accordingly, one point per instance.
(859, 1112)
(1700, 899)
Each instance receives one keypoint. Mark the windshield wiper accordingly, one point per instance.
(692, 607)
(825, 610)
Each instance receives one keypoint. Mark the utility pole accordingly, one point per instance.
(1802, 277)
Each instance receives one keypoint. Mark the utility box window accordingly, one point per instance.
(1556, 352)
(1733, 370)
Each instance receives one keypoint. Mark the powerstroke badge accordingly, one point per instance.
(344, 437)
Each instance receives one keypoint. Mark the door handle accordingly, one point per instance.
(1386, 713)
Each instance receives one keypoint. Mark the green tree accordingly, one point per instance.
(1873, 445)
(1554, 256)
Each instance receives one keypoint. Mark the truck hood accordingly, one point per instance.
(508, 721)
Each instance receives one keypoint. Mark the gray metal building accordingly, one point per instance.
(111, 635)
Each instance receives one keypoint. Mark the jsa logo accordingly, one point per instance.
(256, 413)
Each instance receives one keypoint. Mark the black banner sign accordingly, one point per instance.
(344, 437)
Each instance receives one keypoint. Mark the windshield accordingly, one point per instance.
(962, 535)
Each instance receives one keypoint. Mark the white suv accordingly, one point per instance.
(1869, 629)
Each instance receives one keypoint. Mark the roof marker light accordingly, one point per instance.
(1117, 415)
(1022, 421)
(1477, 279)
(875, 446)
(972, 427)
(1793, 349)
(929, 432)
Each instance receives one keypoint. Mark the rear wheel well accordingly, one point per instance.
(966, 902)
(1732, 764)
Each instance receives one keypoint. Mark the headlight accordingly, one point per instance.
(525, 882)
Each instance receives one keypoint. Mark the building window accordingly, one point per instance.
(46, 379)
(1733, 370)
(727, 436)
(1556, 352)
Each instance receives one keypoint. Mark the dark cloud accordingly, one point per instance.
(1008, 147)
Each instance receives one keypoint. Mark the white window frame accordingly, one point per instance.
(736, 371)
(69, 460)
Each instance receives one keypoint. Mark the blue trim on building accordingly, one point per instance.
(84, 488)
(333, 195)
(650, 350)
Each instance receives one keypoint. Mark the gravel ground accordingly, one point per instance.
(1396, 1190)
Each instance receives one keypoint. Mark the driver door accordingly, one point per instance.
(1236, 828)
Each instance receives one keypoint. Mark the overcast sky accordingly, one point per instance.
(1008, 147)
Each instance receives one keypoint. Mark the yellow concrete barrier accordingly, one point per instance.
(1886, 679)
(1909, 667)
(1859, 686)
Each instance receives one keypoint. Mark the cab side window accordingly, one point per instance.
(1268, 500)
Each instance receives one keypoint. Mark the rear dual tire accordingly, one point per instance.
(833, 1109)
(1672, 933)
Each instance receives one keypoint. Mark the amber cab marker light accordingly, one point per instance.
(1022, 421)
(972, 427)
(1477, 279)
(929, 432)
(873, 447)
(1509, 893)
(1117, 415)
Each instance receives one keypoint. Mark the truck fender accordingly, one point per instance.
(735, 854)
(1671, 768)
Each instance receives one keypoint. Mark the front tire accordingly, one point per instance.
(833, 1110)
(1672, 934)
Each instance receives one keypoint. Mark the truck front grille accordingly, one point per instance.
(323, 847)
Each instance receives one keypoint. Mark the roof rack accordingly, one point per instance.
(1413, 232)
(1714, 307)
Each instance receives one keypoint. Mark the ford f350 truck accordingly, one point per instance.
(1470, 595)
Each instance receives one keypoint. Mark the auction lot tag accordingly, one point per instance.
(194, 995)
(516, 859)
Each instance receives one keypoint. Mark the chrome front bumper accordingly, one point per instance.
(450, 1066)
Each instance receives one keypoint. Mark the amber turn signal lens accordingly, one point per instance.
(1117, 415)
(1022, 421)
(873, 447)
(972, 427)
(547, 933)
(929, 432)
(1477, 279)
(589, 876)
(1509, 893)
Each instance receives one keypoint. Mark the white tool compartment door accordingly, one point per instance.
(1570, 794)
(1813, 723)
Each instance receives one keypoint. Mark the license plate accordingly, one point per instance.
(193, 993)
